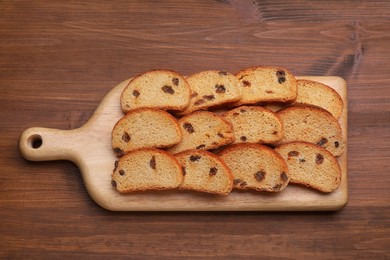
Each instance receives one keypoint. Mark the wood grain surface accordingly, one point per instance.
(58, 59)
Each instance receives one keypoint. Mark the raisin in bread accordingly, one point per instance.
(316, 93)
(146, 169)
(311, 124)
(205, 172)
(265, 84)
(256, 166)
(164, 89)
(211, 88)
(203, 130)
(145, 127)
(254, 124)
(311, 165)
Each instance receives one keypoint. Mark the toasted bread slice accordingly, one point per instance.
(164, 89)
(314, 125)
(205, 172)
(266, 84)
(318, 94)
(145, 128)
(313, 93)
(211, 88)
(203, 130)
(254, 124)
(146, 169)
(311, 165)
(256, 167)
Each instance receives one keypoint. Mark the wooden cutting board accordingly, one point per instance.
(90, 148)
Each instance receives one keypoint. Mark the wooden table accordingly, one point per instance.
(58, 60)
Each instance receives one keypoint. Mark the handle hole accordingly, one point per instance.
(35, 141)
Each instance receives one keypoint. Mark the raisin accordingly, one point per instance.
(194, 158)
(319, 158)
(188, 127)
(275, 132)
(136, 93)
(168, 89)
(194, 94)
(220, 135)
(235, 114)
(126, 137)
(281, 80)
(113, 183)
(175, 81)
(184, 170)
(293, 153)
(222, 73)
(118, 151)
(283, 176)
(302, 160)
(213, 171)
(260, 175)
(220, 88)
(243, 138)
(280, 73)
(281, 76)
(152, 162)
(116, 164)
(122, 172)
(243, 184)
(201, 146)
(209, 97)
(269, 92)
(246, 83)
(336, 144)
(236, 181)
(322, 141)
(199, 102)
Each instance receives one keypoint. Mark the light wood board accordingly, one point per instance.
(90, 148)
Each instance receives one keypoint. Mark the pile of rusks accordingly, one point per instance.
(215, 131)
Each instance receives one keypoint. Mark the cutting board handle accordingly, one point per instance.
(47, 144)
